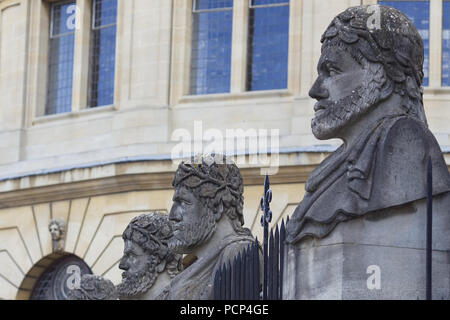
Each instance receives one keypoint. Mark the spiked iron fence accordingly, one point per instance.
(241, 278)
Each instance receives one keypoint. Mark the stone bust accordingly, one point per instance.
(365, 205)
(207, 213)
(148, 263)
(57, 228)
(369, 95)
(94, 287)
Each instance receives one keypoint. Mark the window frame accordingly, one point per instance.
(93, 29)
(181, 71)
(52, 6)
(252, 6)
(194, 12)
(41, 12)
(286, 3)
(51, 37)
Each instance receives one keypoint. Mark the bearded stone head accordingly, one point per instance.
(94, 287)
(206, 189)
(146, 253)
(363, 64)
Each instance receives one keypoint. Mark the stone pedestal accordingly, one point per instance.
(387, 246)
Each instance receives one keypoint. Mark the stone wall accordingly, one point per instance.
(74, 165)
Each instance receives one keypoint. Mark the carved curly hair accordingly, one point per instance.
(152, 232)
(217, 182)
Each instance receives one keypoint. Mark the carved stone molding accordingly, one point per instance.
(133, 182)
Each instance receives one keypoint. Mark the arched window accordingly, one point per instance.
(61, 276)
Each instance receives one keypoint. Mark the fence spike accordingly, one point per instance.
(242, 291)
(238, 277)
(249, 271)
(275, 266)
(282, 239)
(217, 285)
(270, 267)
(228, 281)
(222, 283)
(233, 279)
(256, 275)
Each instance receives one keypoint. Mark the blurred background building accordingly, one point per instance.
(92, 90)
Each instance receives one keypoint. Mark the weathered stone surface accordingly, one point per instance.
(94, 287)
(207, 216)
(393, 239)
(148, 263)
(365, 203)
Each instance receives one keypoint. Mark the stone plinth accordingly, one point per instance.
(344, 264)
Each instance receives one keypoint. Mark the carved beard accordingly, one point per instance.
(134, 284)
(193, 234)
(327, 123)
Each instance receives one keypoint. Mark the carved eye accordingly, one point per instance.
(332, 72)
(184, 201)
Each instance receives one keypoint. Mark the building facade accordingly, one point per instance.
(95, 92)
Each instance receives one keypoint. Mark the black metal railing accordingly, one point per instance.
(241, 278)
(275, 263)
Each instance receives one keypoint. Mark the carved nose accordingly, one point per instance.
(174, 214)
(317, 91)
(123, 265)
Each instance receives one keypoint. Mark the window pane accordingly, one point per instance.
(211, 52)
(103, 53)
(213, 4)
(105, 12)
(419, 13)
(268, 48)
(63, 18)
(262, 2)
(446, 44)
(59, 92)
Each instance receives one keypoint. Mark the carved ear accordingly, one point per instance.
(220, 211)
(386, 89)
(160, 267)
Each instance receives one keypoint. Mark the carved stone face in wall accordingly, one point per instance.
(193, 222)
(57, 228)
(55, 231)
(345, 89)
(139, 270)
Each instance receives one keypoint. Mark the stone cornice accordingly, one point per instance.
(133, 182)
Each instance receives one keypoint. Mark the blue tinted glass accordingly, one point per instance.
(268, 48)
(103, 53)
(262, 2)
(213, 4)
(419, 13)
(446, 44)
(105, 12)
(59, 95)
(63, 18)
(102, 74)
(211, 52)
